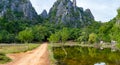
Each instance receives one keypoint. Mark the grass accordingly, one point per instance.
(3, 58)
(14, 48)
(51, 55)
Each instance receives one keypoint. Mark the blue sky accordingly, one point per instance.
(103, 10)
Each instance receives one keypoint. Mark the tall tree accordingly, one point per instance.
(25, 35)
(64, 35)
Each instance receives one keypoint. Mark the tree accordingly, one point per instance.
(0, 37)
(40, 32)
(118, 16)
(104, 31)
(25, 35)
(61, 35)
(82, 37)
(74, 33)
(64, 35)
(4, 35)
(54, 37)
(115, 33)
(92, 38)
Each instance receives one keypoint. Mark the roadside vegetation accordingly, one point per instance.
(4, 58)
(51, 55)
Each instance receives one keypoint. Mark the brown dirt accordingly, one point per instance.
(39, 56)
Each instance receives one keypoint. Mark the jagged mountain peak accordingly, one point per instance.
(44, 14)
(67, 13)
(88, 12)
(17, 9)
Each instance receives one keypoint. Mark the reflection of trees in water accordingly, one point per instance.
(92, 52)
(82, 56)
(114, 58)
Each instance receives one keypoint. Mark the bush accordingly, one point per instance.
(54, 37)
(83, 37)
(92, 38)
(25, 35)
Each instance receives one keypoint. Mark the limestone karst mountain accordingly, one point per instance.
(17, 9)
(66, 12)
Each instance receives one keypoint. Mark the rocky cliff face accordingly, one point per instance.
(67, 13)
(44, 14)
(17, 9)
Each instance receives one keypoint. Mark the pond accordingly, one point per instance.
(85, 56)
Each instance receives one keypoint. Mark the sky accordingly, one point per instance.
(103, 10)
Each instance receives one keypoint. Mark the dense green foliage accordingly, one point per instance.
(26, 31)
(54, 37)
(40, 32)
(115, 33)
(92, 38)
(60, 36)
(25, 35)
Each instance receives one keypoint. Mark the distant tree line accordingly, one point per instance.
(24, 31)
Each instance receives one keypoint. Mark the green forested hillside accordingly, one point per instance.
(42, 29)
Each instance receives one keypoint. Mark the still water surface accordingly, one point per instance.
(86, 56)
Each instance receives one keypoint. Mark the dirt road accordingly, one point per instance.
(39, 56)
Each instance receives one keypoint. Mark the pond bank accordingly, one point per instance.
(96, 45)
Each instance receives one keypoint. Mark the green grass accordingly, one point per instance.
(14, 48)
(51, 55)
(3, 58)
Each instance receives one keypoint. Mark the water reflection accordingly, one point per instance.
(86, 56)
(102, 63)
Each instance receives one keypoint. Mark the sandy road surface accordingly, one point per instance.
(39, 56)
